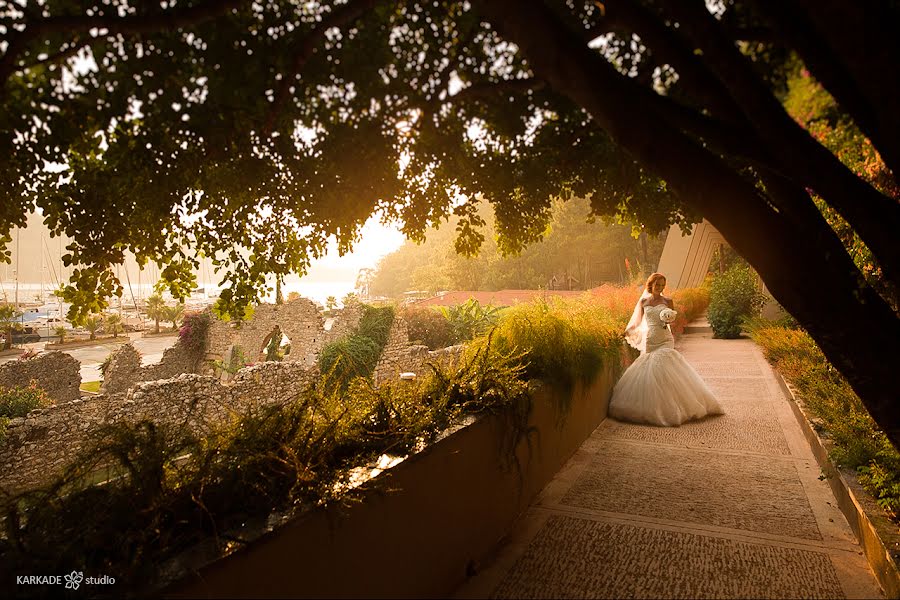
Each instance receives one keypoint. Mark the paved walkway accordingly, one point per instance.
(728, 507)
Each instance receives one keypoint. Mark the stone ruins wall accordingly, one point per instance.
(55, 372)
(399, 356)
(125, 370)
(300, 320)
(345, 321)
(218, 342)
(39, 446)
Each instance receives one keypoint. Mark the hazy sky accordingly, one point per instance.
(39, 258)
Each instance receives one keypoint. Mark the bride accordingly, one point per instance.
(660, 387)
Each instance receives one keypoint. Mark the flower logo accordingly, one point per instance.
(73, 580)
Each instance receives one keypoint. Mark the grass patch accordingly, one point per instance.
(858, 441)
(90, 386)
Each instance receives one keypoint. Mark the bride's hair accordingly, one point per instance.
(651, 281)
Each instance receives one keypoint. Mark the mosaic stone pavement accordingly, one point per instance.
(728, 507)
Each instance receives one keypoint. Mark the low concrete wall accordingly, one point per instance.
(432, 518)
(876, 533)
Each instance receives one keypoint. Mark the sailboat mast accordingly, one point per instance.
(16, 272)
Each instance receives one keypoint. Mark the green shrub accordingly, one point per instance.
(193, 331)
(733, 297)
(470, 319)
(858, 441)
(375, 324)
(18, 401)
(357, 354)
(690, 303)
(563, 341)
(349, 357)
(428, 326)
(273, 348)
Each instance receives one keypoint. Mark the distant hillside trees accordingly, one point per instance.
(573, 254)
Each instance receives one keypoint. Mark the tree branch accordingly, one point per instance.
(74, 47)
(852, 54)
(483, 90)
(669, 48)
(306, 47)
(174, 19)
(873, 215)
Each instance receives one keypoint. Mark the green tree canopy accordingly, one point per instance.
(253, 131)
(573, 250)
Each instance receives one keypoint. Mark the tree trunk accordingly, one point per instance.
(808, 271)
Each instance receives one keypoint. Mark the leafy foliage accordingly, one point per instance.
(93, 323)
(733, 297)
(357, 354)
(112, 323)
(18, 401)
(575, 249)
(156, 309)
(174, 313)
(273, 348)
(564, 341)
(858, 441)
(269, 162)
(427, 326)
(817, 111)
(469, 319)
(168, 488)
(193, 332)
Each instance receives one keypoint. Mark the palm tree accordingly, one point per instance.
(113, 324)
(330, 303)
(8, 317)
(174, 314)
(61, 332)
(156, 309)
(92, 324)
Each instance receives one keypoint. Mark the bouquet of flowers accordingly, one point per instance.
(667, 315)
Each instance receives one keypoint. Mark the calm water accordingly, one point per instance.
(318, 291)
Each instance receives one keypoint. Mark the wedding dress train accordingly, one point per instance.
(661, 387)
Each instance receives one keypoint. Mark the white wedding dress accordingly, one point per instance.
(661, 387)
